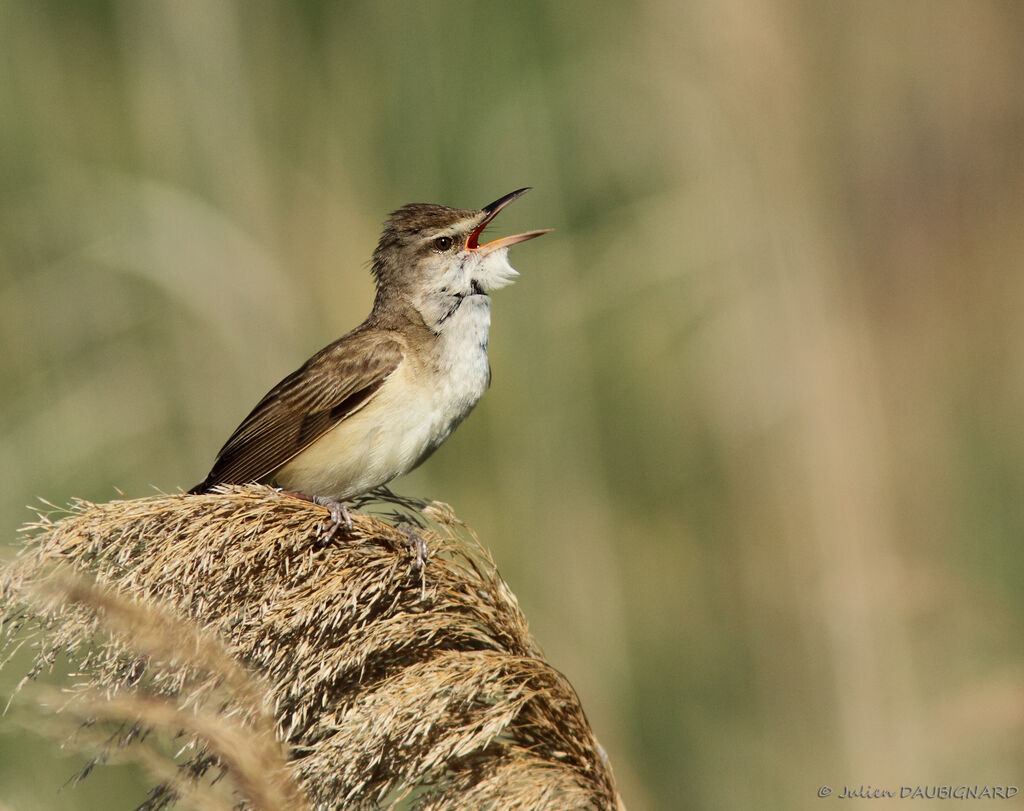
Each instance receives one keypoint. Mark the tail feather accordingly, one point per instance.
(203, 487)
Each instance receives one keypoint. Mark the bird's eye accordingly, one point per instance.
(442, 243)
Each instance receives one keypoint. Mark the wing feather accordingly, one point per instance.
(331, 386)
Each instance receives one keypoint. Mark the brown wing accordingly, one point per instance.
(330, 386)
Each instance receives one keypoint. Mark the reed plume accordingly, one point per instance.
(324, 675)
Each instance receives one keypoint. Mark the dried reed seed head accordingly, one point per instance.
(389, 683)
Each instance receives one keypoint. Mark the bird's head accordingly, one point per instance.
(429, 253)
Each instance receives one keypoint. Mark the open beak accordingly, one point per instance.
(490, 212)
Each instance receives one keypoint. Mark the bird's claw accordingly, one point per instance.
(416, 544)
(339, 518)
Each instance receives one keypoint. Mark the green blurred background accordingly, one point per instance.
(753, 455)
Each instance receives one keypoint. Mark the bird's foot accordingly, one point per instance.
(339, 517)
(416, 545)
(339, 512)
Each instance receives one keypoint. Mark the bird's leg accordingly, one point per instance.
(414, 541)
(339, 513)
(339, 517)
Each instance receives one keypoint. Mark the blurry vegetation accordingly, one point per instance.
(753, 456)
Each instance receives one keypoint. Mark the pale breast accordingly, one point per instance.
(415, 410)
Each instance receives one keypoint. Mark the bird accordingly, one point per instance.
(378, 401)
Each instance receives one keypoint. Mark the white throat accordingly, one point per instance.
(459, 282)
